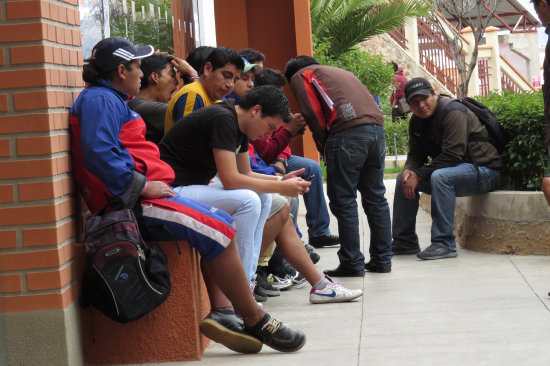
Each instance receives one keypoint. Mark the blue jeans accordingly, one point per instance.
(444, 186)
(317, 217)
(355, 161)
(248, 208)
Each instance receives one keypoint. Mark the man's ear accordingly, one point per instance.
(154, 77)
(121, 71)
(207, 68)
(256, 110)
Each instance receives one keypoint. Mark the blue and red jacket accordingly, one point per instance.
(110, 154)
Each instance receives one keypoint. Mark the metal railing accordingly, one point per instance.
(435, 55)
(398, 35)
(483, 70)
(509, 84)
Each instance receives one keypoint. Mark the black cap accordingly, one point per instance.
(113, 51)
(417, 86)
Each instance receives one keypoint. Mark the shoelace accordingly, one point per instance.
(271, 326)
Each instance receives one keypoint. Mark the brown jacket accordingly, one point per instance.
(333, 100)
(446, 141)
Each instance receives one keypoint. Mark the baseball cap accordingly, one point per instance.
(248, 66)
(417, 86)
(110, 52)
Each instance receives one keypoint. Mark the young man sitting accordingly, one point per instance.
(111, 158)
(204, 143)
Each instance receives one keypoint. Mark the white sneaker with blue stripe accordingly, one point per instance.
(333, 292)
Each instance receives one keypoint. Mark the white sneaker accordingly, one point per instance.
(279, 283)
(333, 292)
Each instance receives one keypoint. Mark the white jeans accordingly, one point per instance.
(248, 208)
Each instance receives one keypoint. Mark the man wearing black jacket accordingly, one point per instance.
(542, 7)
(442, 130)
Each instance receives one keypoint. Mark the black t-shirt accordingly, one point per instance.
(188, 145)
(153, 114)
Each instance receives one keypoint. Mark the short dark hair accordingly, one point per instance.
(270, 77)
(395, 66)
(272, 100)
(151, 64)
(91, 74)
(537, 2)
(297, 63)
(252, 55)
(197, 58)
(222, 56)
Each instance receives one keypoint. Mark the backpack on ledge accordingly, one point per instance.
(123, 277)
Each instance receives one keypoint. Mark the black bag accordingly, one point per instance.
(123, 277)
(497, 136)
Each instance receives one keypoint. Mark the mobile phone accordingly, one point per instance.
(310, 178)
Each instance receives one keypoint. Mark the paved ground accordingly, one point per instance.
(477, 309)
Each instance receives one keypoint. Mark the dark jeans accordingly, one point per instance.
(444, 186)
(355, 161)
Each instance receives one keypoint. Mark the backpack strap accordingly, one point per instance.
(446, 105)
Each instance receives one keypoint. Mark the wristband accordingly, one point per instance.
(194, 77)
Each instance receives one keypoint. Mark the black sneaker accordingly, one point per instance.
(436, 252)
(324, 240)
(276, 335)
(228, 329)
(259, 294)
(377, 267)
(315, 257)
(401, 249)
(267, 288)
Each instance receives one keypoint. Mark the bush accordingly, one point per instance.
(401, 130)
(525, 158)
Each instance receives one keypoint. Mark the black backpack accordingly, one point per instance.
(497, 135)
(123, 277)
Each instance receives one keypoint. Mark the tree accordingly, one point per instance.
(461, 14)
(348, 22)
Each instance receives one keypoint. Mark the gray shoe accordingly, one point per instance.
(436, 252)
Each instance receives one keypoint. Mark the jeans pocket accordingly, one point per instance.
(351, 156)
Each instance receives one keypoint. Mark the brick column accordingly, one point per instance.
(40, 76)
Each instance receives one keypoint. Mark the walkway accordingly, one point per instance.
(477, 309)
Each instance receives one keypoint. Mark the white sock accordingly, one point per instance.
(321, 284)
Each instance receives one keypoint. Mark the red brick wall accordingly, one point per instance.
(40, 76)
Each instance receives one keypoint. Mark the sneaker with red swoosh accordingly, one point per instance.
(333, 292)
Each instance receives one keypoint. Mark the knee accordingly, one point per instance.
(439, 177)
(284, 212)
(313, 166)
(252, 202)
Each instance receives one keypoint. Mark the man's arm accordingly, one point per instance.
(454, 142)
(186, 104)
(235, 173)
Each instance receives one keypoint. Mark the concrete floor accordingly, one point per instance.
(476, 309)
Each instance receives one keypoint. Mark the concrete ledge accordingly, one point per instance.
(167, 334)
(502, 222)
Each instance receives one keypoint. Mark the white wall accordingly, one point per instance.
(205, 22)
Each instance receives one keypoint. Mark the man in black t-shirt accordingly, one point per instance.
(215, 140)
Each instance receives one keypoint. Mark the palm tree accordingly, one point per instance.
(347, 22)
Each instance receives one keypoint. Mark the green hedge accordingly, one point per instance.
(400, 129)
(522, 116)
(525, 158)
